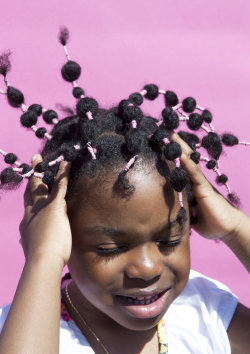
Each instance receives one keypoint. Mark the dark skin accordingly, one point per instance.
(139, 231)
(46, 238)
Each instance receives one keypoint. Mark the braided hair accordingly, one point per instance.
(115, 140)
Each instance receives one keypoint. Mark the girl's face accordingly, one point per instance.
(129, 259)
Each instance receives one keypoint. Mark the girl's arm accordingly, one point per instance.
(32, 325)
(218, 219)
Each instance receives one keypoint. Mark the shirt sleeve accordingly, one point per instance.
(3, 315)
(218, 299)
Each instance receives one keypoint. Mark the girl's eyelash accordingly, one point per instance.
(110, 251)
(169, 244)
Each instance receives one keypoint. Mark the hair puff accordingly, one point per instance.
(86, 104)
(171, 98)
(178, 179)
(71, 71)
(189, 104)
(152, 91)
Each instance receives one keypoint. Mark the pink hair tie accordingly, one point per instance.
(24, 108)
(55, 121)
(58, 159)
(38, 175)
(77, 147)
(89, 115)
(166, 141)
(204, 158)
(17, 169)
(4, 153)
(177, 162)
(177, 106)
(143, 92)
(91, 150)
(28, 174)
(66, 52)
(134, 124)
(130, 163)
(200, 108)
(48, 136)
(6, 81)
(180, 199)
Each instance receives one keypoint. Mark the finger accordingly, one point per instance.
(184, 146)
(60, 185)
(193, 169)
(37, 188)
(27, 197)
(195, 173)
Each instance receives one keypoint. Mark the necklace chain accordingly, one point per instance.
(84, 321)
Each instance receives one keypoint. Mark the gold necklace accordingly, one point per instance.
(84, 321)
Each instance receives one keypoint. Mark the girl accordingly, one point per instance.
(116, 215)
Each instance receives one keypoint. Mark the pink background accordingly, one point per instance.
(197, 48)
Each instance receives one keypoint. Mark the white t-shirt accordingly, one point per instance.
(196, 321)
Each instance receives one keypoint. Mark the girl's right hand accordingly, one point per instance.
(45, 228)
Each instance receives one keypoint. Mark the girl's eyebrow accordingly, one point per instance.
(115, 232)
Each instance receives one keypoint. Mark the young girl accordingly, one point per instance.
(117, 213)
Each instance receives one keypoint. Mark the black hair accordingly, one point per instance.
(113, 139)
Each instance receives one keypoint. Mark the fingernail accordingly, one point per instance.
(34, 157)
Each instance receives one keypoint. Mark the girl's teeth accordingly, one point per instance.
(141, 300)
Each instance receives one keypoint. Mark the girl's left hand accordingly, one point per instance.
(217, 218)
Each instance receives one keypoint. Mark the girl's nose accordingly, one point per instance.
(145, 262)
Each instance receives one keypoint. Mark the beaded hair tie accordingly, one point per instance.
(196, 118)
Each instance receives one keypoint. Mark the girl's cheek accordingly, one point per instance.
(93, 268)
(178, 262)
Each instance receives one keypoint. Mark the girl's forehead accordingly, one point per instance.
(149, 186)
(153, 202)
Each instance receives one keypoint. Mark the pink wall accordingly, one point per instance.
(196, 48)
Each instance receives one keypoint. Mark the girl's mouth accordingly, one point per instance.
(143, 307)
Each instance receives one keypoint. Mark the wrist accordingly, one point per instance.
(240, 223)
(52, 261)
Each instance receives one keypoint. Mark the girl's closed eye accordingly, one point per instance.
(110, 249)
(168, 244)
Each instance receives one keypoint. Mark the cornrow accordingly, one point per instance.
(117, 139)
